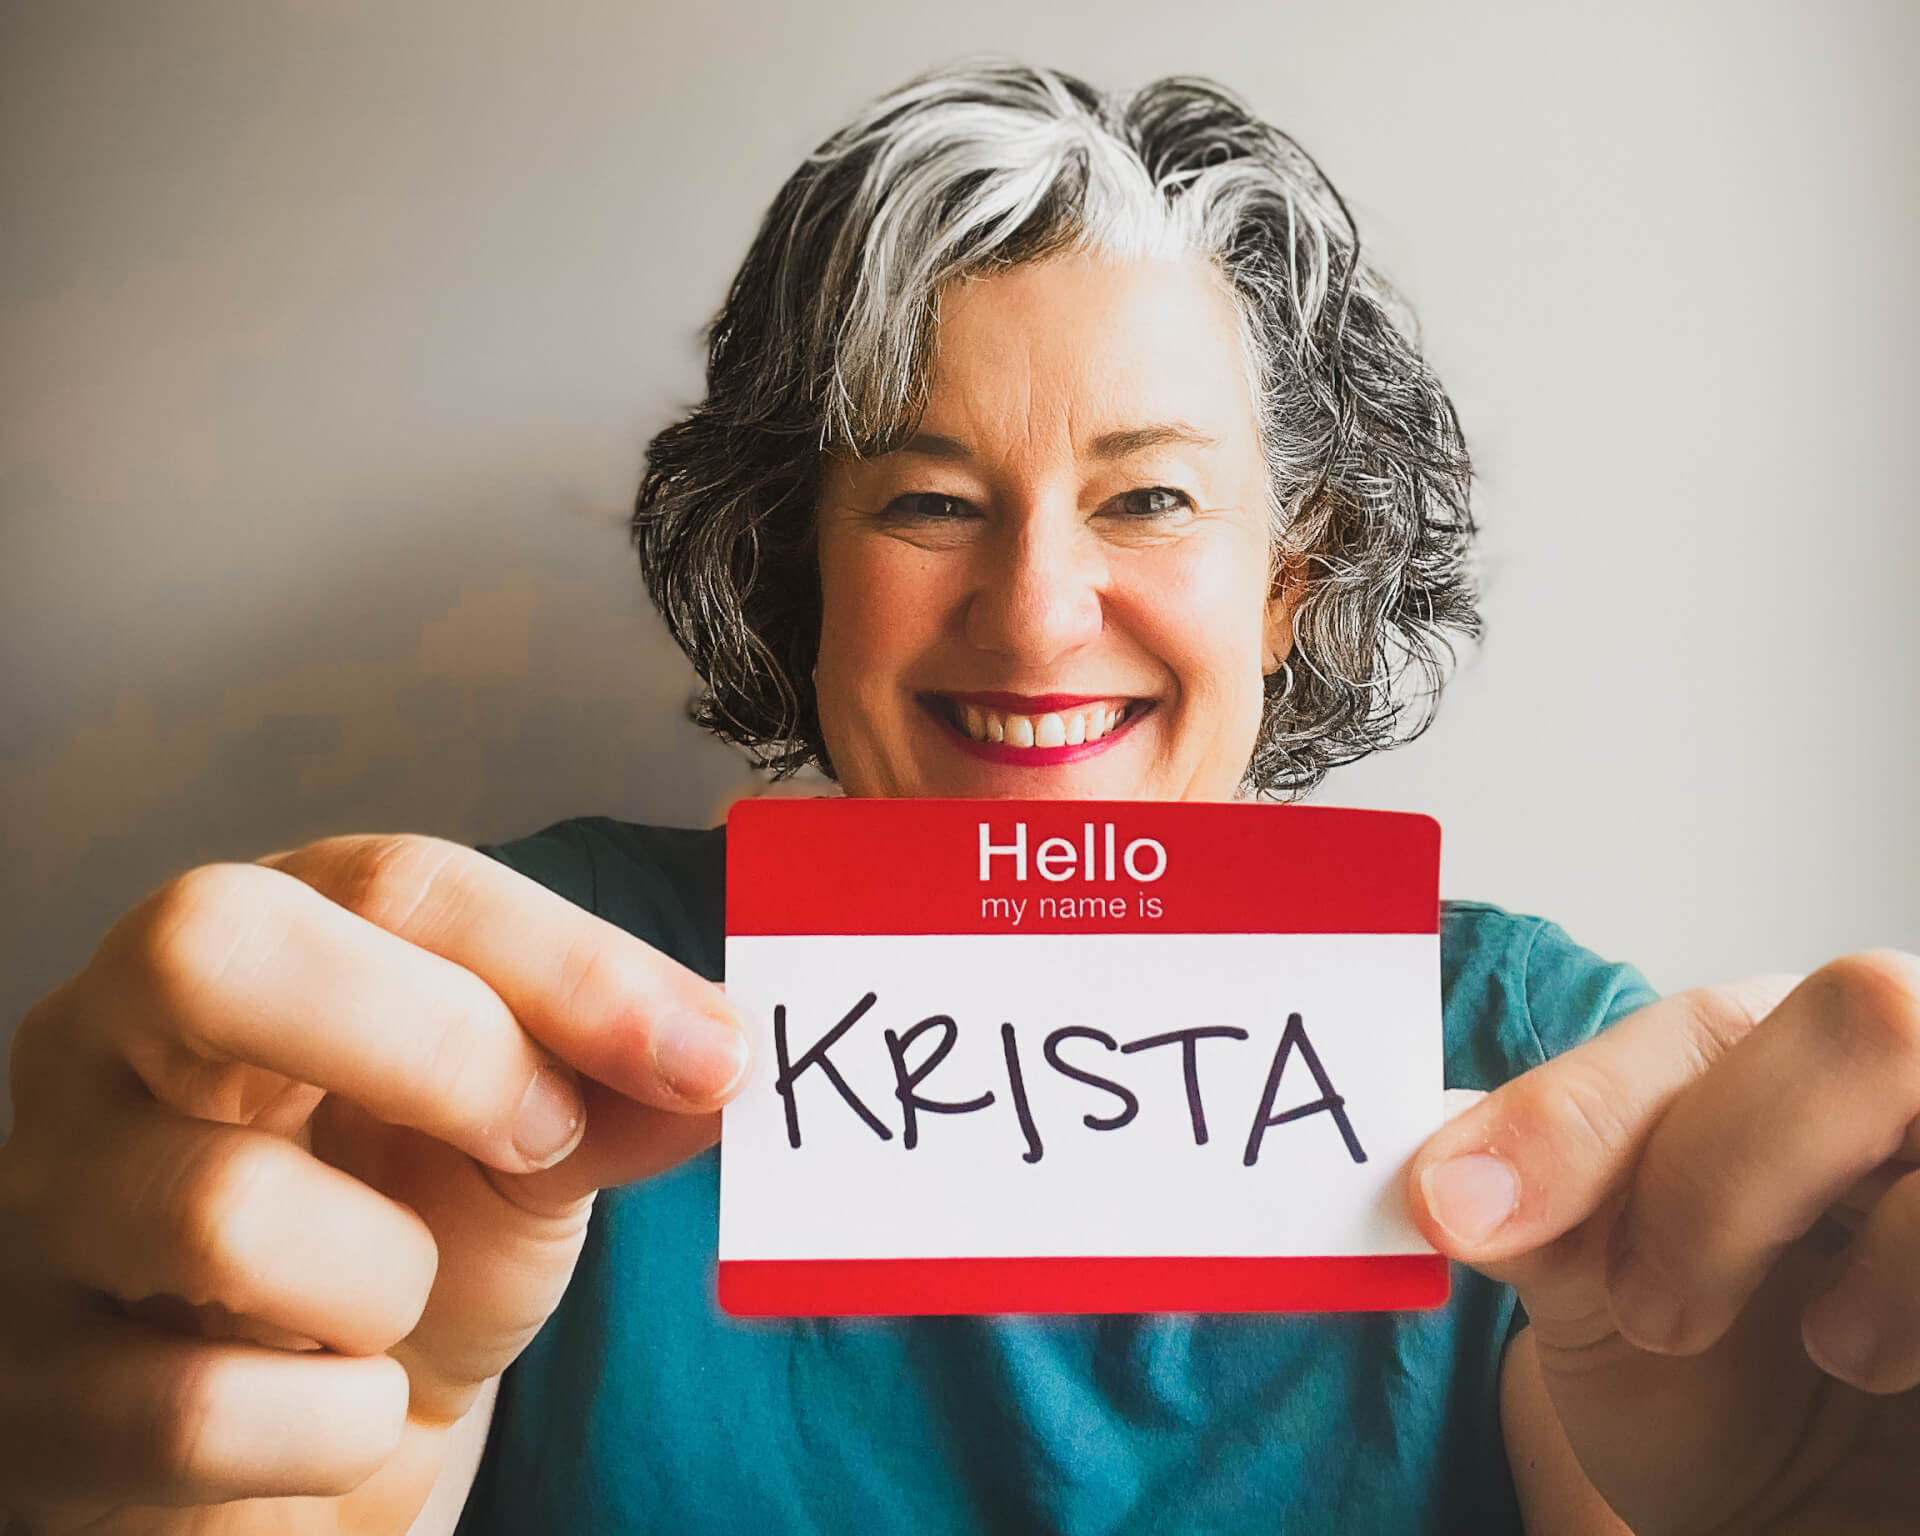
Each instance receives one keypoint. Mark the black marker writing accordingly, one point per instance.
(1018, 1084)
(816, 1056)
(1051, 1050)
(1189, 1041)
(1329, 1102)
(906, 1082)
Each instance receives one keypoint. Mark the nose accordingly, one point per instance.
(1037, 592)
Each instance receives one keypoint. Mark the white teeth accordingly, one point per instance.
(1070, 728)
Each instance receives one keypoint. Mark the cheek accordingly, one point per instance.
(878, 612)
(1206, 610)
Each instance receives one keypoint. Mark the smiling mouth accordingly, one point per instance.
(1035, 731)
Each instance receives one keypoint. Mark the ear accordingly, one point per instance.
(1289, 586)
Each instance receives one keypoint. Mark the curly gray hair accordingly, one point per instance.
(823, 346)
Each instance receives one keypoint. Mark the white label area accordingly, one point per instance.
(992, 1182)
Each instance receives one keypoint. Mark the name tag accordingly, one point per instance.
(1073, 1056)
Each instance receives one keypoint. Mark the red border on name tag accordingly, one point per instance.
(934, 1287)
(913, 866)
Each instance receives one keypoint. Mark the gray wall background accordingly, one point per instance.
(331, 334)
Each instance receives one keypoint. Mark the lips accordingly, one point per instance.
(1035, 731)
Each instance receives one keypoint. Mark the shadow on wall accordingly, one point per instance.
(475, 673)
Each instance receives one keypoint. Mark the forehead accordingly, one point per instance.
(1079, 346)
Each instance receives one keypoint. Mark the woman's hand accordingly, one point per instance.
(302, 1160)
(1711, 1216)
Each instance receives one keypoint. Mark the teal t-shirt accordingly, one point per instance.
(640, 1408)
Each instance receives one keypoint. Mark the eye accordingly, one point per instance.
(926, 507)
(1151, 501)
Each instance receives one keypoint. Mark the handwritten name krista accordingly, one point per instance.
(912, 1065)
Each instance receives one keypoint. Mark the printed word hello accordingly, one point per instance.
(1059, 858)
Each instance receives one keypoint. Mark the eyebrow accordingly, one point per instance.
(1108, 445)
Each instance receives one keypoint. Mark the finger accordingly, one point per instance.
(1825, 1090)
(616, 1008)
(240, 1220)
(132, 1414)
(1865, 1327)
(1557, 1496)
(507, 1243)
(239, 966)
(1498, 1185)
(626, 1142)
(459, 1202)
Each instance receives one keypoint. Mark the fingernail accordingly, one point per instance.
(1841, 1335)
(550, 1120)
(1471, 1195)
(698, 1056)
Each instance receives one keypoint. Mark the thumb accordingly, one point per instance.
(1511, 1184)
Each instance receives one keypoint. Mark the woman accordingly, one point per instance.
(1036, 419)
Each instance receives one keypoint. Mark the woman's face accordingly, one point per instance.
(1059, 587)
